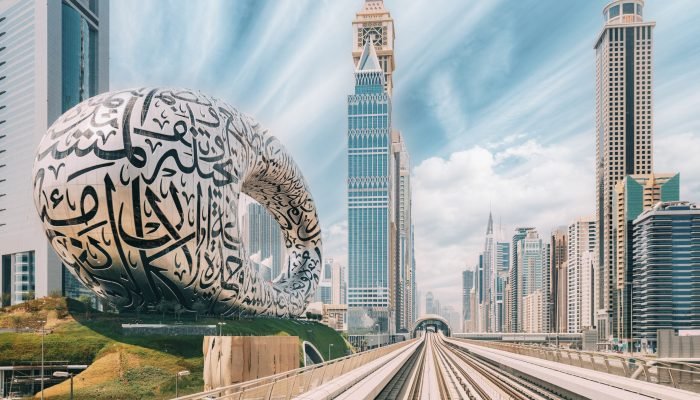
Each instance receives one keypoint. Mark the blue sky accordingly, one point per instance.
(495, 99)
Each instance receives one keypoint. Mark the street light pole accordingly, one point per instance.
(61, 374)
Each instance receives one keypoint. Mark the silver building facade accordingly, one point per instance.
(53, 55)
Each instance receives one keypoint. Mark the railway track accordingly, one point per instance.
(463, 376)
(436, 367)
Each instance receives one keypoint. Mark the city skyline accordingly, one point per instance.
(497, 132)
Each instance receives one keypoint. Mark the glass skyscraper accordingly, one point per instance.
(264, 242)
(369, 188)
(53, 55)
(665, 270)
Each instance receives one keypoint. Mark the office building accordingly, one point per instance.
(624, 130)
(338, 284)
(633, 195)
(369, 196)
(558, 285)
(547, 303)
(500, 277)
(430, 303)
(263, 241)
(403, 248)
(533, 312)
(581, 260)
(467, 286)
(380, 240)
(513, 279)
(486, 318)
(530, 252)
(666, 282)
(324, 290)
(54, 55)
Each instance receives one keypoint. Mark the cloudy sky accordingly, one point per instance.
(494, 98)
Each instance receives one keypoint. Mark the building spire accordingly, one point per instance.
(489, 227)
(369, 60)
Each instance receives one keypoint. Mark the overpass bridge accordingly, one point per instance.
(435, 366)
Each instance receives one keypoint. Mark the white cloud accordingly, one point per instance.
(526, 184)
(335, 242)
(679, 153)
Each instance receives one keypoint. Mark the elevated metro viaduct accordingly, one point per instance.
(433, 321)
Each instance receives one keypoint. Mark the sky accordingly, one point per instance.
(494, 98)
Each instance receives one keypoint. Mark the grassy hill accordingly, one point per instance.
(127, 367)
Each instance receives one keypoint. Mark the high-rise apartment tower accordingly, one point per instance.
(624, 127)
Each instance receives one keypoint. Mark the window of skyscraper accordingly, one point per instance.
(614, 11)
(628, 8)
(79, 64)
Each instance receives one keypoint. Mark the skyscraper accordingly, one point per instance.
(374, 23)
(633, 195)
(403, 248)
(467, 285)
(324, 290)
(429, 303)
(486, 319)
(369, 194)
(54, 55)
(581, 262)
(623, 129)
(500, 277)
(264, 242)
(666, 280)
(338, 285)
(513, 280)
(558, 285)
(531, 253)
(380, 260)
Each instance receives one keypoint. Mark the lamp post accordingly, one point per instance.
(329, 351)
(221, 324)
(177, 379)
(62, 374)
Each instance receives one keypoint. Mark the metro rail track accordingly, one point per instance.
(448, 369)
(438, 367)
(464, 376)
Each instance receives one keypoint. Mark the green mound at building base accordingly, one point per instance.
(129, 367)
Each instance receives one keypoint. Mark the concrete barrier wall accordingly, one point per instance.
(670, 345)
(233, 359)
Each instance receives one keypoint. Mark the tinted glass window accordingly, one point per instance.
(78, 58)
(639, 10)
(614, 11)
(628, 8)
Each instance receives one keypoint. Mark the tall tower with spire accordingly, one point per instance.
(486, 318)
(371, 228)
(374, 24)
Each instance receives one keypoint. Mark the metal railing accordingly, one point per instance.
(678, 374)
(292, 383)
